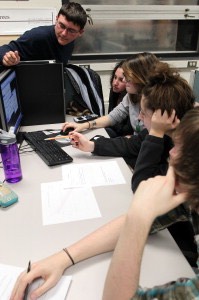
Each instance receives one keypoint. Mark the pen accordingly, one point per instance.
(58, 137)
(26, 290)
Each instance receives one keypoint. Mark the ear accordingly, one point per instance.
(56, 18)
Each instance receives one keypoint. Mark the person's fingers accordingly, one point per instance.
(43, 288)
(19, 287)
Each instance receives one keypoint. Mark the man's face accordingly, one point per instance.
(66, 31)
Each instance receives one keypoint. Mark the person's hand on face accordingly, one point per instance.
(156, 196)
(163, 123)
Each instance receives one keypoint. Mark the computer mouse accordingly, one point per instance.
(66, 131)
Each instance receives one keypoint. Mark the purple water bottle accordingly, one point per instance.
(10, 157)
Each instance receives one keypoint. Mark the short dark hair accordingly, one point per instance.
(167, 90)
(75, 13)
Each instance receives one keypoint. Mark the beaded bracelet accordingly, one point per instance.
(66, 251)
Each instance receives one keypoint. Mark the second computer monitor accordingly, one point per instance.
(10, 109)
(41, 93)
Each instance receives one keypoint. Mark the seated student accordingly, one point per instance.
(154, 198)
(166, 91)
(136, 70)
(116, 95)
(53, 42)
(118, 86)
(105, 238)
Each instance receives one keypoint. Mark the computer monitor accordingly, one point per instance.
(10, 109)
(41, 91)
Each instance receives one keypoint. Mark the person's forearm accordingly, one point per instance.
(150, 160)
(103, 121)
(158, 133)
(100, 241)
(123, 275)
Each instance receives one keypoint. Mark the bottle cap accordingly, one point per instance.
(7, 138)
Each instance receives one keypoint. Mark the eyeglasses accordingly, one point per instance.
(68, 29)
(142, 113)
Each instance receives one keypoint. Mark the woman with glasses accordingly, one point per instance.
(53, 42)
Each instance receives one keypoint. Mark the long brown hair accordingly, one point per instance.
(137, 68)
(117, 66)
(186, 164)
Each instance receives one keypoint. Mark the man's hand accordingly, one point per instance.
(11, 58)
(163, 123)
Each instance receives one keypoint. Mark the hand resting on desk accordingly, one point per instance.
(154, 195)
(77, 127)
(50, 270)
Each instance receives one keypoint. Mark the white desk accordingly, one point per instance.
(23, 237)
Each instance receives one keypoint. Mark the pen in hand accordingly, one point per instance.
(57, 138)
(26, 290)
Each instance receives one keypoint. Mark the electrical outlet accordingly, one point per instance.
(192, 64)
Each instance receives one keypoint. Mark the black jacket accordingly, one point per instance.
(128, 148)
(152, 159)
(146, 154)
(37, 44)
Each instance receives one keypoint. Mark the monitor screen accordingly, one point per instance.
(10, 109)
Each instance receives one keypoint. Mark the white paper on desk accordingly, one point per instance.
(8, 277)
(61, 205)
(92, 174)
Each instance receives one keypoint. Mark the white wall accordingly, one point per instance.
(31, 4)
(5, 5)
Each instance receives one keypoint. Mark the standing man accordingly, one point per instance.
(54, 42)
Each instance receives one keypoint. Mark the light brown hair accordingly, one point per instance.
(137, 69)
(186, 164)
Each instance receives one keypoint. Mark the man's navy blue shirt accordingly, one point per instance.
(39, 43)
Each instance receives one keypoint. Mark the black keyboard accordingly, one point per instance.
(49, 151)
